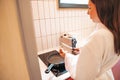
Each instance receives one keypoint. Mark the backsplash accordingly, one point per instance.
(50, 22)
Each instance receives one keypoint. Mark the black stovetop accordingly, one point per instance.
(56, 70)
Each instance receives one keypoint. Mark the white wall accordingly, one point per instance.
(12, 59)
(28, 37)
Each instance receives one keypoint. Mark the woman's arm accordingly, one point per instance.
(70, 61)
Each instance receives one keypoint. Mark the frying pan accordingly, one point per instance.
(54, 60)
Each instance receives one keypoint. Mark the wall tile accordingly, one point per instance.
(52, 9)
(54, 42)
(62, 25)
(37, 28)
(48, 26)
(57, 25)
(61, 13)
(53, 27)
(44, 42)
(56, 9)
(41, 9)
(35, 9)
(49, 41)
(50, 22)
(46, 9)
(43, 27)
(57, 39)
(39, 44)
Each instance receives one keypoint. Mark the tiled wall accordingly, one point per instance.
(50, 22)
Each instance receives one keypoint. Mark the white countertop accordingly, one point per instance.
(50, 75)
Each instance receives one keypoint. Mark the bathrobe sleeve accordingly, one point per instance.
(90, 58)
(70, 63)
(86, 65)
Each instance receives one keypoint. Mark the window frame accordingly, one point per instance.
(65, 5)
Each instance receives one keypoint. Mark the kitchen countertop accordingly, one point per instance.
(50, 75)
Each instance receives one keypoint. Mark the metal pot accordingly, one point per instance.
(54, 60)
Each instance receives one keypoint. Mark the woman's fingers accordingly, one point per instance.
(61, 53)
(75, 51)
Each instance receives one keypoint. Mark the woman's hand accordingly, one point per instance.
(76, 51)
(61, 52)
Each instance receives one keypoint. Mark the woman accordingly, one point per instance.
(101, 50)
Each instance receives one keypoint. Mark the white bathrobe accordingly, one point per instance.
(96, 57)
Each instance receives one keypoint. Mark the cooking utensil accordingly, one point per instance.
(54, 60)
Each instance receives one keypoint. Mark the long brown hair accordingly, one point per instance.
(108, 13)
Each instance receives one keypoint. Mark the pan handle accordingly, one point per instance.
(49, 68)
